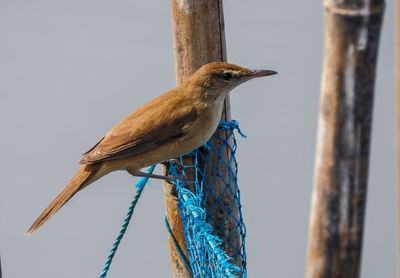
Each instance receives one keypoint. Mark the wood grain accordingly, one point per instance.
(199, 38)
(344, 131)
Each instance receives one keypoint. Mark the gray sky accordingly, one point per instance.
(71, 70)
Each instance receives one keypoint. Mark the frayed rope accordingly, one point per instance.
(207, 258)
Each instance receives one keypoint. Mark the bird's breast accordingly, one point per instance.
(203, 128)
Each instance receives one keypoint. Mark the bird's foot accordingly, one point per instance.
(174, 163)
(179, 174)
(168, 178)
(178, 169)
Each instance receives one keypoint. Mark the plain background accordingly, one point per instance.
(71, 70)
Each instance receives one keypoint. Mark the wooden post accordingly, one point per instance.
(199, 38)
(344, 130)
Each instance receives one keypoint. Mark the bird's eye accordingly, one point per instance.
(227, 76)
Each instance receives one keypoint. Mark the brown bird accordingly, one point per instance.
(173, 124)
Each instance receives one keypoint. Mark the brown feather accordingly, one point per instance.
(171, 125)
(79, 181)
(92, 148)
(142, 130)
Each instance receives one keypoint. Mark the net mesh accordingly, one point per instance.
(211, 215)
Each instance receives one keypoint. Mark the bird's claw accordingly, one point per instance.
(173, 163)
(173, 181)
(180, 178)
(172, 178)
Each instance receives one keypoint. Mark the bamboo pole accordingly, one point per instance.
(344, 130)
(199, 38)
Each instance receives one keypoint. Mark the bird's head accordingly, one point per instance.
(219, 78)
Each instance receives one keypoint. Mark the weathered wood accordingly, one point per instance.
(178, 266)
(199, 38)
(344, 130)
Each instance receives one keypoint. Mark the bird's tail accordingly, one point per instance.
(84, 176)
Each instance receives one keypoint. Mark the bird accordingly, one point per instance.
(173, 124)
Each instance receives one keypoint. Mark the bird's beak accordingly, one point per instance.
(261, 73)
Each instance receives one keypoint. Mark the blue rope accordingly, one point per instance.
(205, 245)
(232, 125)
(201, 234)
(140, 186)
(177, 247)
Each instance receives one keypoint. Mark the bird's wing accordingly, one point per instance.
(143, 130)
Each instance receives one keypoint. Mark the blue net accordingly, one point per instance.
(212, 218)
(211, 215)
